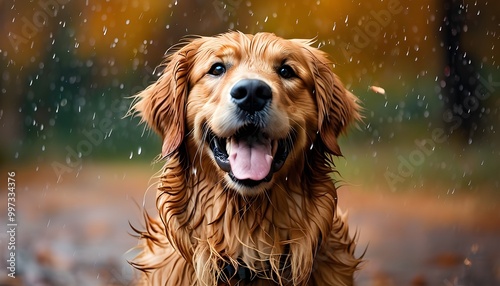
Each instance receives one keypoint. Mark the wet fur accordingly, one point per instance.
(288, 233)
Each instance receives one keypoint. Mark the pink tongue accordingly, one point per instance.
(250, 161)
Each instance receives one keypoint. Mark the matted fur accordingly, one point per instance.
(287, 231)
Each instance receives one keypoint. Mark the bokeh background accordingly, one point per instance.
(421, 172)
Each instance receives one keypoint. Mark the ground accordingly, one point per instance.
(74, 230)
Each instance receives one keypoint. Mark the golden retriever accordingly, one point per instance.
(249, 125)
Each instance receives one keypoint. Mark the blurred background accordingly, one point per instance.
(421, 172)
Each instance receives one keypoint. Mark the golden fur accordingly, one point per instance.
(285, 231)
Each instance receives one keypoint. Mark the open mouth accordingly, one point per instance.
(250, 156)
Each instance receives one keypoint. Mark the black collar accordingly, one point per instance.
(242, 273)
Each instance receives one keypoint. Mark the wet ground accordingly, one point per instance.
(76, 231)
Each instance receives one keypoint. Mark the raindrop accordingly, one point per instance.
(131, 155)
(139, 151)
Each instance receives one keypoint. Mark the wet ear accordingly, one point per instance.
(162, 104)
(337, 107)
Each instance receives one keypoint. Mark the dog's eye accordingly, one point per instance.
(217, 69)
(286, 71)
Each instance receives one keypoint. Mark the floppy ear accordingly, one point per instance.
(337, 107)
(162, 104)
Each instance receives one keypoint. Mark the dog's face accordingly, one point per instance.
(253, 104)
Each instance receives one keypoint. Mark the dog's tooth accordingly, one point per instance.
(228, 146)
(274, 146)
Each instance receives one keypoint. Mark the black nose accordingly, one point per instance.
(251, 95)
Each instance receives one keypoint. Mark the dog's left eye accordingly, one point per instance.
(286, 71)
(217, 69)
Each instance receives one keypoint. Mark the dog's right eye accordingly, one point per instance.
(217, 69)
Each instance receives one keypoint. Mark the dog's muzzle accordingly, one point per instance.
(250, 156)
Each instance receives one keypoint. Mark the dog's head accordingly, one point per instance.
(253, 104)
